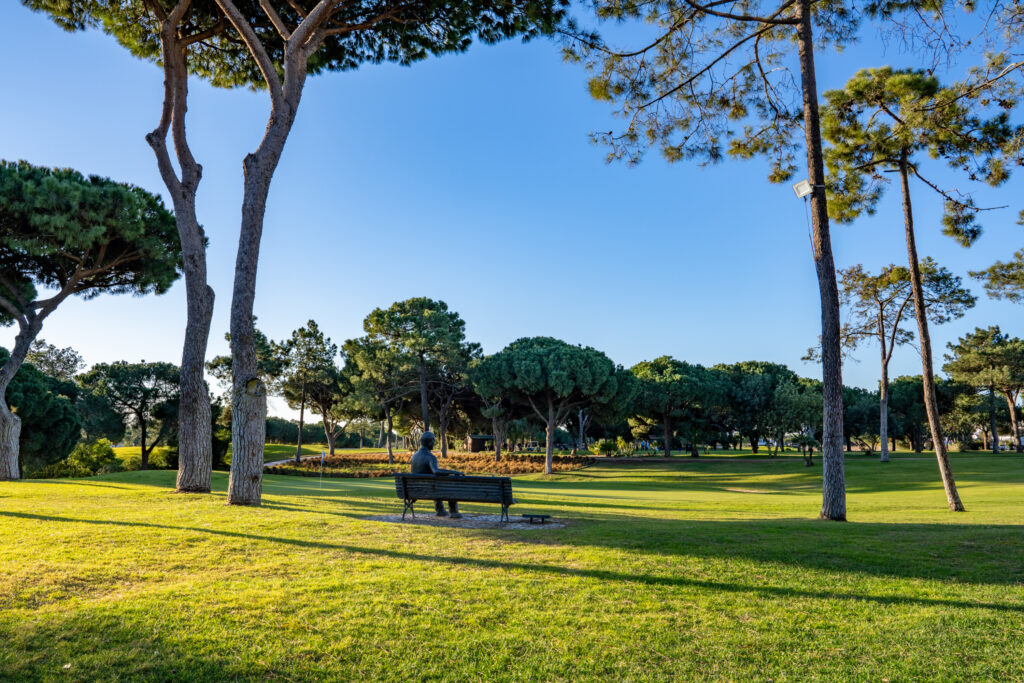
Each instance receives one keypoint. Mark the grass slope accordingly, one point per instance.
(666, 571)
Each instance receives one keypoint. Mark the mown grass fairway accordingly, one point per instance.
(679, 571)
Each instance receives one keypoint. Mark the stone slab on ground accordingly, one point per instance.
(469, 521)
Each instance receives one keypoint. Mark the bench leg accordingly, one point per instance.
(504, 513)
(408, 508)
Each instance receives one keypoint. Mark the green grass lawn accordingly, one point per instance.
(697, 569)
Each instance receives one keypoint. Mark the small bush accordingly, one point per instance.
(93, 456)
(63, 470)
(606, 447)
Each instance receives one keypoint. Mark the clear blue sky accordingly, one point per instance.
(468, 178)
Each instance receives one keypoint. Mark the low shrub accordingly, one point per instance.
(65, 469)
(606, 447)
(85, 460)
(376, 464)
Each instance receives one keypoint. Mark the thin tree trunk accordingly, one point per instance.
(195, 444)
(388, 417)
(883, 394)
(549, 457)
(921, 313)
(992, 418)
(302, 421)
(144, 461)
(667, 426)
(442, 424)
(496, 432)
(1012, 405)
(328, 434)
(424, 407)
(883, 410)
(833, 502)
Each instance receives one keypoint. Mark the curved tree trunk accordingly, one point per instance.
(931, 403)
(833, 500)
(195, 443)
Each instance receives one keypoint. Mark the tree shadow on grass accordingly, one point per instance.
(793, 555)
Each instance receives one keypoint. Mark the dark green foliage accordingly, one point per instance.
(1004, 279)
(281, 430)
(402, 32)
(269, 361)
(61, 230)
(100, 420)
(676, 395)
(706, 86)
(886, 117)
(750, 391)
(144, 393)
(553, 378)
(62, 364)
(50, 423)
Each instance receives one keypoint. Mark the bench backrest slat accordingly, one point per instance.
(468, 489)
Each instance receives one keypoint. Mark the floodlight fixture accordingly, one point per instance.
(802, 189)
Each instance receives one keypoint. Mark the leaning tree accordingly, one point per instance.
(553, 378)
(884, 120)
(63, 235)
(877, 306)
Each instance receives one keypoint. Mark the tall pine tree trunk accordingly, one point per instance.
(833, 501)
(195, 444)
(931, 403)
(883, 405)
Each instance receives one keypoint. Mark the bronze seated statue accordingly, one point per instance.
(425, 462)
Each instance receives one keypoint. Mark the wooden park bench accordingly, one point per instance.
(413, 487)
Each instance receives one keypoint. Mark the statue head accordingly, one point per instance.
(427, 440)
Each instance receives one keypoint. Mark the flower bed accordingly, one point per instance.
(361, 465)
